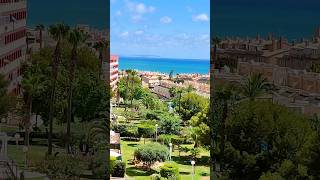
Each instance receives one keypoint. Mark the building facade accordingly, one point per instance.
(13, 15)
(114, 71)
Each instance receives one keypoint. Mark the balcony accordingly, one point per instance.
(10, 27)
(11, 46)
(6, 7)
(12, 65)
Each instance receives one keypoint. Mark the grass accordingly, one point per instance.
(35, 154)
(185, 168)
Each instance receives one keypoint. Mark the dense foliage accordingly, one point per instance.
(265, 137)
(170, 170)
(150, 153)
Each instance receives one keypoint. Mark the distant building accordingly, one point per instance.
(114, 71)
(13, 14)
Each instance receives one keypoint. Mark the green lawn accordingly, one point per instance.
(35, 154)
(127, 148)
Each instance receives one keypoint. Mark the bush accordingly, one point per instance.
(170, 170)
(155, 177)
(150, 153)
(62, 167)
(166, 138)
(118, 169)
(170, 124)
(146, 130)
(131, 131)
(99, 165)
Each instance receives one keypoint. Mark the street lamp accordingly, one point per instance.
(156, 132)
(170, 145)
(25, 151)
(193, 163)
(17, 137)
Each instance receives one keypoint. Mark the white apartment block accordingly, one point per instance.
(13, 15)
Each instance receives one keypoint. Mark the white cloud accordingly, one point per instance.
(139, 32)
(119, 13)
(166, 20)
(124, 34)
(139, 8)
(201, 17)
(136, 18)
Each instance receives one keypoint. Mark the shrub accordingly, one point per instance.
(170, 170)
(150, 153)
(194, 152)
(62, 167)
(170, 124)
(131, 131)
(99, 165)
(146, 130)
(118, 169)
(166, 138)
(155, 177)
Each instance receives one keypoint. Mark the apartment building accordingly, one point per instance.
(13, 14)
(114, 71)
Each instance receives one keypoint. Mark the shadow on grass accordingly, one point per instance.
(186, 160)
(184, 173)
(133, 171)
(132, 145)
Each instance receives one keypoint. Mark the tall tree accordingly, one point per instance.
(40, 28)
(59, 32)
(32, 84)
(76, 38)
(100, 47)
(214, 45)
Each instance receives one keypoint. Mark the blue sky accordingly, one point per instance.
(163, 28)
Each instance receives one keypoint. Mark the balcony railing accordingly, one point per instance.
(13, 5)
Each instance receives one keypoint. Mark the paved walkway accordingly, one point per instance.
(29, 174)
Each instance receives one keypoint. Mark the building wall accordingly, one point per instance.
(13, 14)
(114, 71)
(281, 76)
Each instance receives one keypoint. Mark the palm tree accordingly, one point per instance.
(179, 91)
(31, 85)
(189, 88)
(58, 32)
(100, 46)
(214, 42)
(40, 28)
(133, 75)
(100, 130)
(76, 38)
(254, 86)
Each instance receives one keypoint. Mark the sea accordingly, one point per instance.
(165, 65)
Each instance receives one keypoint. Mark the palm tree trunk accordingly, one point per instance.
(126, 93)
(69, 113)
(28, 120)
(53, 94)
(40, 39)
